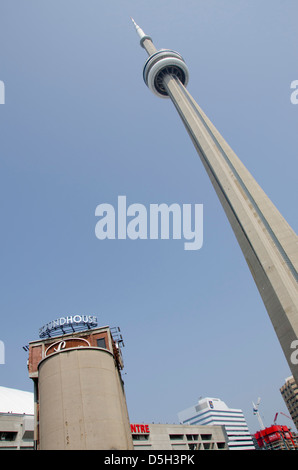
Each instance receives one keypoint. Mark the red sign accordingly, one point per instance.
(139, 428)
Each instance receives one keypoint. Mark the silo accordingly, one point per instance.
(80, 392)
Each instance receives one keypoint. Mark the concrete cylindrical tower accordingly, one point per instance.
(268, 243)
(81, 401)
(80, 398)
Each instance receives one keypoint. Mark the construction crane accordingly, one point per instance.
(285, 415)
(281, 413)
(256, 412)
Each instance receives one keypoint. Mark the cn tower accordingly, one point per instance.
(268, 243)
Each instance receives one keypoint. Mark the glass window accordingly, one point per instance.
(206, 437)
(221, 445)
(101, 343)
(208, 445)
(8, 436)
(192, 437)
(193, 446)
(176, 437)
(140, 437)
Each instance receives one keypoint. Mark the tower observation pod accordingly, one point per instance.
(268, 243)
(160, 64)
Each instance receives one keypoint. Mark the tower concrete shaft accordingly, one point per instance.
(268, 243)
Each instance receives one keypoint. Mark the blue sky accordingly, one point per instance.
(79, 128)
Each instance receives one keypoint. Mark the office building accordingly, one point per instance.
(79, 393)
(178, 437)
(214, 412)
(16, 419)
(289, 392)
(268, 243)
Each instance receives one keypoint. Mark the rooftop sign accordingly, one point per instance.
(140, 428)
(67, 324)
(66, 344)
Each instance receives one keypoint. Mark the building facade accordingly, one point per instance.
(16, 431)
(178, 437)
(214, 412)
(289, 392)
(276, 438)
(80, 402)
(16, 419)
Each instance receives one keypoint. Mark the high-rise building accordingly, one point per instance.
(213, 411)
(289, 392)
(269, 244)
(79, 394)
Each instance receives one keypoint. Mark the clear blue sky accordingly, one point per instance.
(79, 127)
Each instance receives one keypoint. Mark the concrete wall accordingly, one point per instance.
(16, 431)
(180, 437)
(82, 402)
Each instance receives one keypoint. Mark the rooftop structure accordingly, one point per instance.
(16, 401)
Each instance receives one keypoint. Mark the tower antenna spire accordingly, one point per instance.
(138, 29)
(145, 40)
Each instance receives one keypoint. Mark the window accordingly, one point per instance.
(8, 436)
(176, 437)
(193, 446)
(192, 437)
(208, 445)
(206, 437)
(101, 343)
(140, 437)
(221, 445)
